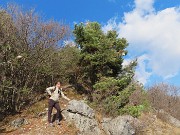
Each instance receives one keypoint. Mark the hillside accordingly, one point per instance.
(38, 125)
(36, 117)
(37, 122)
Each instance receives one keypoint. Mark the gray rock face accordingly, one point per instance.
(19, 122)
(81, 108)
(79, 113)
(82, 116)
(118, 126)
(86, 125)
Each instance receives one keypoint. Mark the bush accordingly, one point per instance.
(118, 97)
(166, 97)
(134, 111)
(140, 97)
(29, 55)
(113, 94)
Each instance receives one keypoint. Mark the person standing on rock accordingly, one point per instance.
(54, 93)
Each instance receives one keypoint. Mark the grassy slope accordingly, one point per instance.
(38, 125)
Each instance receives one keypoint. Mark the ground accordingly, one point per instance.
(38, 125)
(152, 125)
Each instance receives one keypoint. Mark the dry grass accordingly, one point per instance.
(36, 124)
(151, 125)
(165, 97)
(72, 94)
(36, 108)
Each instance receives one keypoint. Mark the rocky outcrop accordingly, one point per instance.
(81, 108)
(118, 126)
(19, 122)
(83, 117)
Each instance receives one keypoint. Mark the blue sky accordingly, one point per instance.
(76, 10)
(152, 28)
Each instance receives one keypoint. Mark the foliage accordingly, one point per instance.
(138, 102)
(119, 98)
(126, 101)
(108, 86)
(101, 59)
(165, 97)
(32, 57)
(29, 51)
(68, 58)
(101, 53)
(134, 111)
(140, 97)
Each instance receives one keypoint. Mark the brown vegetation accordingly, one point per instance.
(165, 97)
(29, 51)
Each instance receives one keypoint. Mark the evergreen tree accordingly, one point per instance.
(101, 58)
(101, 53)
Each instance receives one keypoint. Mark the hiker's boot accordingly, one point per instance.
(58, 122)
(51, 124)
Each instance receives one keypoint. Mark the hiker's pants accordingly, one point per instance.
(54, 104)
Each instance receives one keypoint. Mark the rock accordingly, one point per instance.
(42, 114)
(79, 113)
(19, 122)
(44, 118)
(81, 108)
(118, 126)
(83, 117)
(169, 118)
(86, 125)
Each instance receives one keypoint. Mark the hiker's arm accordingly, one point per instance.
(62, 94)
(49, 90)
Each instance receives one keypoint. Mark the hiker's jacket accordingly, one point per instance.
(55, 92)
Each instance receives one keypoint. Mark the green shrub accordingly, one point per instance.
(113, 94)
(134, 111)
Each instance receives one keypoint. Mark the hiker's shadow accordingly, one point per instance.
(54, 117)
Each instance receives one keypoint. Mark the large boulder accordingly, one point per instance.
(118, 126)
(82, 116)
(81, 108)
(86, 125)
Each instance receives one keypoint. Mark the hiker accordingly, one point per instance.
(54, 92)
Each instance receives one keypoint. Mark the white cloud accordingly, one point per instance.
(155, 33)
(144, 6)
(126, 62)
(111, 24)
(141, 74)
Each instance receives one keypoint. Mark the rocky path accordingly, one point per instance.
(39, 125)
